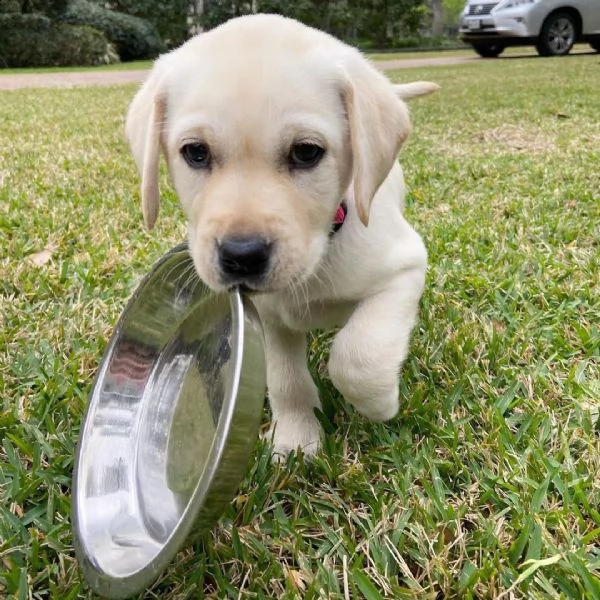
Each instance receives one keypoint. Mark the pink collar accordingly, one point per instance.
(339, 218)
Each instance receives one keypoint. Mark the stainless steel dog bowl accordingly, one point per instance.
(171, 421)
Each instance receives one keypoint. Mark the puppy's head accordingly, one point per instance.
(264, 124)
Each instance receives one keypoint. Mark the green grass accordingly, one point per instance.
(487, 485)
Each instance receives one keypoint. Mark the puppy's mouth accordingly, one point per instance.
(246, 288)
(266, 285)
(254, 264)
(269, 283)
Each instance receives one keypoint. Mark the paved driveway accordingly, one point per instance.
(36, 80)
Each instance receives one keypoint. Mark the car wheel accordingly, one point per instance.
(557, 36)
(488, 50)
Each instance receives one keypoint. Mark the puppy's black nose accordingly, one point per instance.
(243, 258)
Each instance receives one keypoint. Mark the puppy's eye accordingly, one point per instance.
(196, 155)
(305, 155)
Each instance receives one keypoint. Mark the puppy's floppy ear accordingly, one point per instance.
(379, 124)
(145, 122)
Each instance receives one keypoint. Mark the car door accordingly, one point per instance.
(590, 15)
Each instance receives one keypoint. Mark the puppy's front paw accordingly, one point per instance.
(294, 431)
(382, 408)
(373, 392)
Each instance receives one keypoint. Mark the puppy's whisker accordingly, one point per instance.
(173, 268)
(293, 290)
(304, 287)
(301, 296)
(183, 274)
(330, 280)
(192, 278)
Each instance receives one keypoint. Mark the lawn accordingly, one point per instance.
(487, 484)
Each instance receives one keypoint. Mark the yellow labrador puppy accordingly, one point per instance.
(282, 145)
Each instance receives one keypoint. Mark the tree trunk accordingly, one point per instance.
(437, 11)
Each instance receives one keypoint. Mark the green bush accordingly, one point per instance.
(33, 22)
(134, 38)
(10, 6)
(30, 40)
(50, 8)
(172, 19)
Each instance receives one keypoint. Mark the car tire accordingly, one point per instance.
(488, 50)
(557, 35)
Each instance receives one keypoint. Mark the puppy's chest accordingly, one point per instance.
(301, 315)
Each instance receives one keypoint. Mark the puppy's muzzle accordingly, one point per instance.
(244, 260)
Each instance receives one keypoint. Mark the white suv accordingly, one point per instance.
(552, 26)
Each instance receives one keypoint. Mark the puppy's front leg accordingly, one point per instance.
(293, 394)
(368, 352)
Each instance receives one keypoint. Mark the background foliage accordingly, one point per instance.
(371, 23)
(133, 38)
(130, 30)
(174, 20)
(34, 40)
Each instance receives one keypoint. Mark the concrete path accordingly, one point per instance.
(76, 78)
(71, 79)
(414, 63)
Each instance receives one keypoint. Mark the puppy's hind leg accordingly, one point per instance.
(293, 395)
(368, 352)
